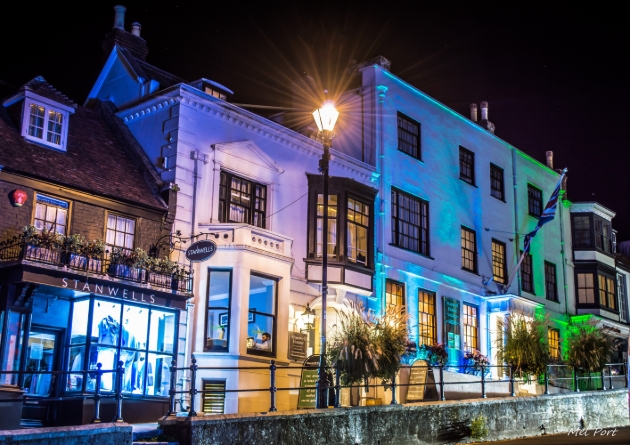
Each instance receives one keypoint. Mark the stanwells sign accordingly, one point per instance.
(107, 290)
(201, 251)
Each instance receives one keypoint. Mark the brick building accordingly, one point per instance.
(80, 210)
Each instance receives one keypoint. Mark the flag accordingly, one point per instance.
(547, 215)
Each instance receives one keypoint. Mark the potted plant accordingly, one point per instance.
(473, 361)
(44, 245)
(129, 264)
(73, 247)
(435, 355)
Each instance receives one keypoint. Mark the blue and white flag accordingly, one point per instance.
(547, 215)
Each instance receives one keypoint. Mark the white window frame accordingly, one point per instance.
(48, 105)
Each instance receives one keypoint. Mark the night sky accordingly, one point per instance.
(555, 74)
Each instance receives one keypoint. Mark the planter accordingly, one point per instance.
(127, 272)
(81, 262)
(45, 254)
(11, 403)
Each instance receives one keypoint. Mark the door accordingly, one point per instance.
(42, 355)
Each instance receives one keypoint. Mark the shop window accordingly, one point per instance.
(358, 229)
(261, 315)
(394, 293)
(242, 201)
(471, 327)
(331, 242)
(120, 232)
(534, 200)
(218, 317)
(426, 318)
(553, 337)
(499, 265)
(51, 214)
(409, 136)
(551, 287)
(466, 165)
(469, 249)
(41, 355)
(527, 273)
(213, 402)
(496, 182)
(410, 222)
(13, 345)
(142, 338)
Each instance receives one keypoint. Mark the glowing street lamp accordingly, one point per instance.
(308, 318)
(325, 118)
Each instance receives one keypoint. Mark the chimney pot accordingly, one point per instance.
(473, 112)
(119, 17)
(484, 111)
(135, 28)
(550, 159)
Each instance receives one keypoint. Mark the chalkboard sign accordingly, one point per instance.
(309, 377)
(297, 345)
(417, 377)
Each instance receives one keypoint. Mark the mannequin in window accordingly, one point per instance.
(266, 342)
(108, 332)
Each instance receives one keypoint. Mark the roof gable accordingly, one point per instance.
(248, 151)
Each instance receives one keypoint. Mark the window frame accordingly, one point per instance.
(432, 325)
(596, 273)
(501, 180)
(208, 307)
(367, 230)
(528, 260)
(48, 107)
(551, 285)
(622, 296)
(224, 203)
(574, 231)
(503, 265)
(274, 317)
(402, 295)
(326, 243)
(465, 249)
(532, 200)
(462, 176)
(52, 198)
(553, 341)
(400, 129)
(475, 327)
(135, 230)
(424, 232)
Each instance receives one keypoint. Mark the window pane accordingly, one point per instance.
(106, 322)
(134, 328)
(14, 338)
(157, 375)
(108, 358)
(36, 121)
(162, 331)
(217, 327)
(261, 313)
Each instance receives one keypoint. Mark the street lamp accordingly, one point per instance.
(308, 318)
(325, 118)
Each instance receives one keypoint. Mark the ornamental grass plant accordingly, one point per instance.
(589, 347)
(525, 343)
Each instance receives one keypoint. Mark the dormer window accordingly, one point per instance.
(214, 92)
(45, 124)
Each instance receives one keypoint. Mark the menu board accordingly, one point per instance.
(452, 328)
(306, 399)
(297, 345)
(418, 378)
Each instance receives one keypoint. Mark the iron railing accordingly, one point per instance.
(97, 373)
(17, 249)
(273, 389)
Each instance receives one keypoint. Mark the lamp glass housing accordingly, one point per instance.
(308, 317)
(326, 116)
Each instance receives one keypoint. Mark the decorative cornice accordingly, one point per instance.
(593, 207)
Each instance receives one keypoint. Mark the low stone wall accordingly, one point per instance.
(96, 434)
(419, 423)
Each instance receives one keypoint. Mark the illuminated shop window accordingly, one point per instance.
(261, 315)
(218, 316)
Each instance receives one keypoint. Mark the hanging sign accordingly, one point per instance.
(297, 345)
(309, 377)
(201, 251)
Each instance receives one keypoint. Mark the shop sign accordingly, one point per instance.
(417, 378)
(297, 345)
(201, 251)
(306, 399)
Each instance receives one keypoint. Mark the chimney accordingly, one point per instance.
(119, 17)
(550, 159)
(135, 29)
(484, 111)
(473, 112)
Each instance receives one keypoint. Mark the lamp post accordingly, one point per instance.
(325, 118)
(308, 318)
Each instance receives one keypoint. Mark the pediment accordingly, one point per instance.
(248, 151)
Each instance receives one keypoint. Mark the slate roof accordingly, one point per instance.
(39, 86)
(148, 71)
(95, 160)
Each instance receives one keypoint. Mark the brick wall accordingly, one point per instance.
(13, 219)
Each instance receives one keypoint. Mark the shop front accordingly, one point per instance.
(57, 320)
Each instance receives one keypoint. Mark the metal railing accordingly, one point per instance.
(116, 394)
(17, 249)
(273, 389)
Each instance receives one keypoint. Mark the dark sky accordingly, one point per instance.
(555, 73)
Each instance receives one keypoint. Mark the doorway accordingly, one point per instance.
(42, 354)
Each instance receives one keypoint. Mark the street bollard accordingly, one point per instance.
(120, 371)
(337, 385)
(512, 393)
(547, 379)
(171, 392)
(575, 380)
(394, 402)
(193, 389)
(272, 387)
(610, 378)
(483, 382)
(97, 395)
(442, 382)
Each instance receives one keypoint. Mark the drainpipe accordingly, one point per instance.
(190, 307)
(381, 90)
(517, 236)
(564, 259)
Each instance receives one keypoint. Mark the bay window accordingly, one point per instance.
(596, 289)
(242, 200)
(261, 315)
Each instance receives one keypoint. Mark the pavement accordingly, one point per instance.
(608, 436)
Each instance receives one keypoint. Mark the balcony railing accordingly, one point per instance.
(17, 249)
